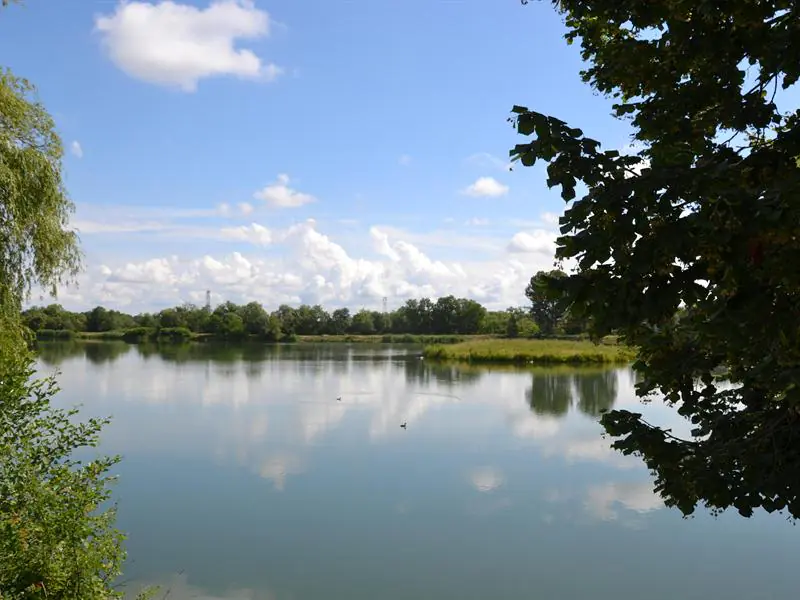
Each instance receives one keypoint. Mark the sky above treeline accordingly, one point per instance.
(316, 151)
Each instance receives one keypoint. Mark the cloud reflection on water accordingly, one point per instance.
(486, 479)
(266, 418)
(603, 501)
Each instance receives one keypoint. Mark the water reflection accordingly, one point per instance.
(550, 393)
(177, 587)
(291, 392)
(554, 391)
(602, 501)
(418, 371)
(106, 352)
(486, 479)
(243, 468)
(596, 391)
(277, 468)
(55, 353)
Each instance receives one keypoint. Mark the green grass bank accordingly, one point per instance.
(543, 352)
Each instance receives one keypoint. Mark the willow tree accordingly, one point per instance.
(36, 246)
(690, 248)
(57, 535)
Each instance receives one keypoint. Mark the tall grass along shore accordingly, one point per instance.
(531, 351)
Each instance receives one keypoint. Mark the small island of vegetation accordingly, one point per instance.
(542, 351)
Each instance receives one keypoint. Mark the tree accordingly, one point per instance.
(425, 316)
(340, 321)
(36, 246)
(547, 306)
(273, 331)
(254, 318)
(226, 324)
(704, 217)
(35, 319)
(415, 316)
(382, 321)
(310, 320)
(146, 320)
(194, 317)
(527, 327)
(288, 318)
(102, 319)
(444, 315)
(495, 322)
(170, 317)
(470, 316)
(58, 318)
(57, 535)
(362, 323)
(512, 326)
(572, 325)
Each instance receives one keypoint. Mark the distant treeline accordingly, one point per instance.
(446, 316)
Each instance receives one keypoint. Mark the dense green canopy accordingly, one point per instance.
(691, 249)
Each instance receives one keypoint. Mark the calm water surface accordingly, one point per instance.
(244, 478)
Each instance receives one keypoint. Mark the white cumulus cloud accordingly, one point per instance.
(156, 270)
(254, 233)
(173, 44)
(278, 194)
(538, 241)
(550, 218)
(487, 187)
(294, 264)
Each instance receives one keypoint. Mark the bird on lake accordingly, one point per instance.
(404, 424)
(339, 399)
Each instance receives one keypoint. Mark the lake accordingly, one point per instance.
(245, 478)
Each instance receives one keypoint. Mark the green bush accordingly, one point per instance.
(109, 335)
(138, 334)
(57, 534)
(175, 334)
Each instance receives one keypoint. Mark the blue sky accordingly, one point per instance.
(331, 152)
